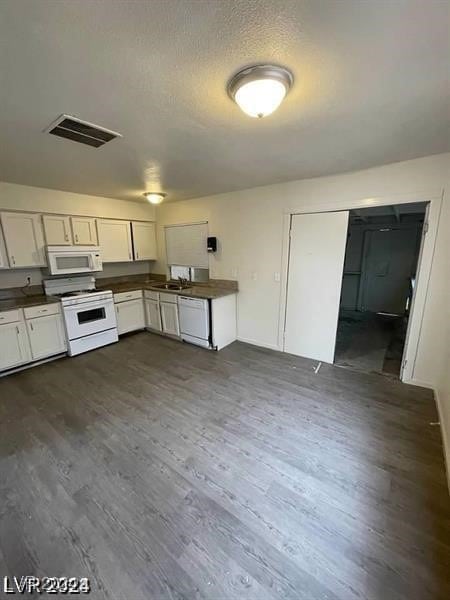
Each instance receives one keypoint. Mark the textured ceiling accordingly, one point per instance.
(371, 87)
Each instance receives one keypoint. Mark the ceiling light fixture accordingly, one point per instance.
(260, 89)
(155, 197)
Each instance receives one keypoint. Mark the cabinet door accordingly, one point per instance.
(47, 336)
(4, 264)
(169, 318)
(130, 316)
(57, 230)
(24, 237)
(144, 240)
(14, 345)
(153, 315)
(114, 238)
(84, 231)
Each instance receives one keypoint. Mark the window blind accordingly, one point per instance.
(186, 245)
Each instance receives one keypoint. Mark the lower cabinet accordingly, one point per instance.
(153, 315)
(130, 316)
(47, 336)
(169, 318)
(14, 345)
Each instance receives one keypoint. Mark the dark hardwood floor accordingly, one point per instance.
(163, 471)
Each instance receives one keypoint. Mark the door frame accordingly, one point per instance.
(424, 264)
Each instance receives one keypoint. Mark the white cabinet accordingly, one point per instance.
(144, 240)
(153, 315)
(14, 344)
(57, 230)
(4, 264)
(114, 238)
(47, 336)
(130, 316)
(24, 237)
(84, 231)
(169, 318)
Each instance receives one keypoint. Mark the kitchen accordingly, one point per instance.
(72, 312)
(224, 283)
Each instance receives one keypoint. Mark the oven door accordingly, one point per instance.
(89, 317)
(69, 263)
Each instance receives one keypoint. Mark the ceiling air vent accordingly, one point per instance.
(80, 131)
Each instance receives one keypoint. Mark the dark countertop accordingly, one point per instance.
(26, 301)
(196, 291)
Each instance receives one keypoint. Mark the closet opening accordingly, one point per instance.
(379, 278)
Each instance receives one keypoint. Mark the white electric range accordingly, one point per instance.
(89, 314)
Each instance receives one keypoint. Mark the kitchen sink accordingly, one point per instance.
(171, 286)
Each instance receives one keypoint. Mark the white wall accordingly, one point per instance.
(33, 199)
(249, 227)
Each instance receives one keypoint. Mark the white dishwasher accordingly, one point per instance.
(194, 320)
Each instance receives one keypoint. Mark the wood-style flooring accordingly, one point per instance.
(163, 471)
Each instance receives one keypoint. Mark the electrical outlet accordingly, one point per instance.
(276, 276)
(28, 279)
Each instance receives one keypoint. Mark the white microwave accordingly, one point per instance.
(69, 260)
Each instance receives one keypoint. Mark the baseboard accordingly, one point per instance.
(419, 383)
(257, 343)
(445, 436)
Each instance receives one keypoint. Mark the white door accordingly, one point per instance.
(316, 262)
(14, 345)
(144, 240)
(24, 237)
(153, 315)
(84, 231)
(114, 238)
(46, 335)
(169, 318)
(130, 316)
(57, 230)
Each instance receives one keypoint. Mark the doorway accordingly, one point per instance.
(380, 268)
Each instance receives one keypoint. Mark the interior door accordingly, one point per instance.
(390, 258)
(316, 261)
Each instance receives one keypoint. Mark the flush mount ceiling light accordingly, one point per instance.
(155, 197)
(259, 90)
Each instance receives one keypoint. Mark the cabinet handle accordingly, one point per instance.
(137, 255)
(31, 326)
(76, 237)
(129, 255)
(13, 260)
(17, 330)
(44, 310)
(66, 237)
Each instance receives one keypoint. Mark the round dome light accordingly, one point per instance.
(259, 90)
(155, 197)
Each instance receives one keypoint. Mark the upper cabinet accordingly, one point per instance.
(57, 230)
(84, 231)
(114, 238)
(4, 264)
(24, 237)
(144, 240)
